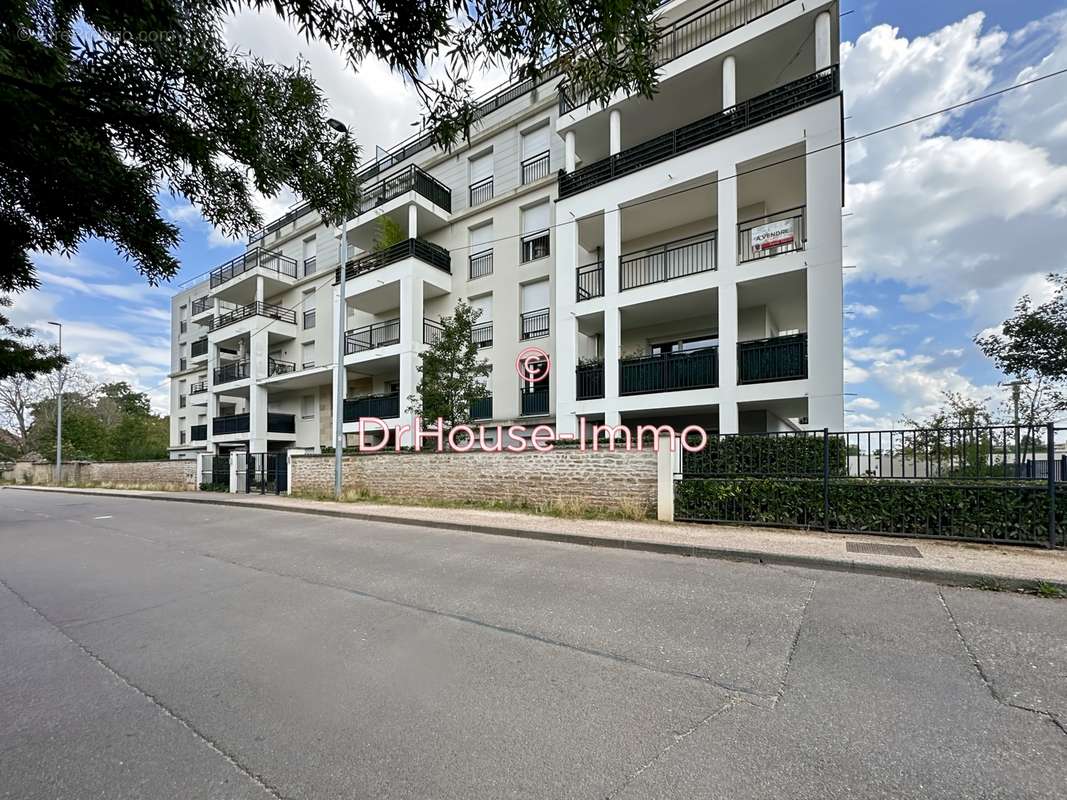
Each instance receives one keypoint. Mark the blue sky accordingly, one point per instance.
(947, 222)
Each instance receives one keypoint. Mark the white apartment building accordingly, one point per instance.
(677, 259)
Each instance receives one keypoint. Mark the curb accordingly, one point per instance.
(926, 574)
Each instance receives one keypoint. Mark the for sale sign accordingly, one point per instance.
(773, 234)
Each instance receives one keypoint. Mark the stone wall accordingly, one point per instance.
(605, 481)
(177, 474)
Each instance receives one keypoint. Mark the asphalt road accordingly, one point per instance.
(165, 650)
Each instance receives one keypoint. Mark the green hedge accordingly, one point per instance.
(1014, 511)
(766, 455)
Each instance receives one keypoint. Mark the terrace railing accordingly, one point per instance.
(382, 406)
(771, 235)
(780, 358)
(589, 381)
(198, 433)
(281, 423)
(534, 399)
(670, 372)
(233, 423)
(482, 409)
(748, 114)
(275, 366)
(412, 179)
(481, 264)
(198, 348)
(590, 281)
(534, 324)
(371, 337)
(234, 371)
(535, 167)
(256, 309)
(257, 257)
(677, 259)
(426, 252)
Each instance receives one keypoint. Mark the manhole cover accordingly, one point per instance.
(874, 549)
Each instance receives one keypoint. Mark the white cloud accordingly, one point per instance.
(861, 310)
(864, 403)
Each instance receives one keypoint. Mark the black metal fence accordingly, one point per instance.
(534, 324)
(371, 337)
(590, 281)
(986, 484)
(535, 167)
(256, 309)
(426, 252)
(697, 369)
(589, 381)
(256, 257)
(668, 261)
(407, 180)
(481, 264)
(267, 473)
(780, 358)
(382, 406)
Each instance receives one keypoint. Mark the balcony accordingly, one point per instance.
(481, 264)
(426, 252)
(534, 399)
(201, 305)
(256, 309)
(371, 337)
(480, 192)
(589, 381)
(431, 331)
(234, 423)
(671, 372)
(198, 433)
(257, 257)
(746, 115)
(234, 371)
(198, 348)
(281, 423)
(382, 406)
(535, 245)
(276, 366)
(482, 334)
(482, 409)
(534, 324)
(590, 281)
(411, 179)
(770, 235)
(666, 262)
(535, 167)
(781, 358)
(198, 388)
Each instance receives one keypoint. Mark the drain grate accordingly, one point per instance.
(874, 549)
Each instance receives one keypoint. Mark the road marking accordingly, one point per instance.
(106, 516)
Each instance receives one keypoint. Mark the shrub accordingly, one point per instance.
(796, 454)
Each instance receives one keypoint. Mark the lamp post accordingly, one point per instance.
(1015, 403)
(339, 366)
(59, 412)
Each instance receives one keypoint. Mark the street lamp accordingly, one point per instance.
(1015, 386)
(339, 366)
(59, 412)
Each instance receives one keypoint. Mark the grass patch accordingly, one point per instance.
(1045, 589)
(128, 485)
(570, 508)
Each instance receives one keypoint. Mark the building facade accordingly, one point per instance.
(678, 260)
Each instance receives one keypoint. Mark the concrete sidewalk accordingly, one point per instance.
(949, 563)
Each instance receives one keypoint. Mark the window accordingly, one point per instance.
(183, 326)
(482, 330)
(481, 185)
(534, 319)
(309, 256)
(393, 387)
(481, 251)
(309, 309)
(307, 355)
(535, 235)
(535, 154)
(684, 345)
(307, 406)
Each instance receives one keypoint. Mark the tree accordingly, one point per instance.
(453, 377)
(18, 394)
(21, 356)
(1032, 346)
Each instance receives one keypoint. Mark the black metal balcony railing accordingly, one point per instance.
(256, 309)
(275, 366)
(780, 358)
(698, 369)
(481, 264)
(412, 179)
(482, 409)
(480, 192)
(533, 324)
(201, 305)
(309, 319)
(198, 348)
(281, 423)
(382, 406)
(234, 371)
(690, 32)
(534, 246)
(535, 399)
(431, 331)
(256, 257)
(769, 106)
(426, 252)
(310, 266)
(535, 167)
(276, 225)
(198, 433)
(371, 337)
(771, 235)
(669, 261)
(233, 423)
(590, 281)
(482, 334)
(589, 381)
(198, 388)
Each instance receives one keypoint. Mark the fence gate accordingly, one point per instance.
(214, 473)
(267, 473)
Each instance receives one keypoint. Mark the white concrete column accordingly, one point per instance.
(823, 53)
(824, 281)
(562, 379)
(570, 157)
(411, 315)
(615, 123)
(612, 329)
(257, 395)
(729, 273)
(413, 221)
(260, 293)
(665, 480)
(212, 398)
(235, 469)
(729, 82)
